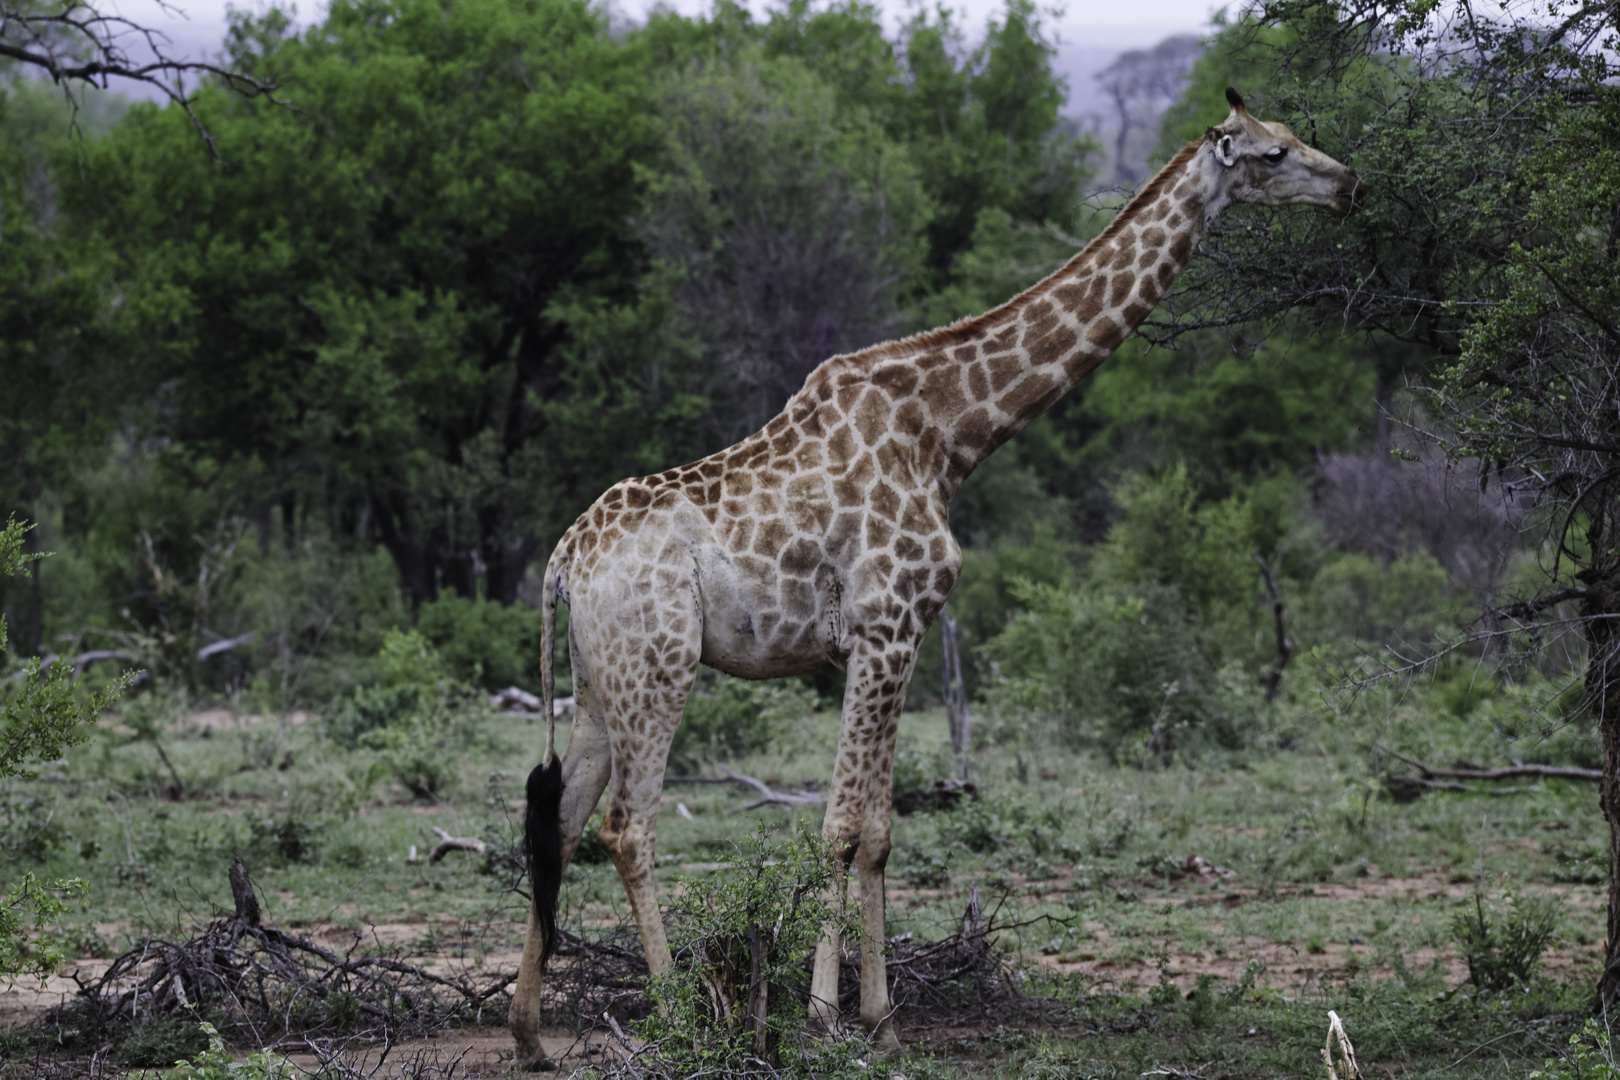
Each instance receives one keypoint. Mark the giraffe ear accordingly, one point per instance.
(1225, 152)
(1234, 99)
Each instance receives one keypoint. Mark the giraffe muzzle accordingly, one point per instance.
(1353, 196)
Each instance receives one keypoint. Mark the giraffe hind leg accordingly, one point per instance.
(584, 774)
(644, 669)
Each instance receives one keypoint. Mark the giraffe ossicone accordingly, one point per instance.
(824, 538)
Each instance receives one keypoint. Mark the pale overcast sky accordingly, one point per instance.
(1091, 31)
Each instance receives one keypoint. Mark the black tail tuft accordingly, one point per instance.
(542, 840)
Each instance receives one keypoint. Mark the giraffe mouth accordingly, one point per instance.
(1349, 198)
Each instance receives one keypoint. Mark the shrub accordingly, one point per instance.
(739, 943)
(1503, 941)
(1591, 1057)
(727, 717)
(284, 840)
(213, 1063)
(1354, 597)
(1120, 671)
(411, 718)
(162, 1042)
(368, 709)
(41, 715)
(482, 643)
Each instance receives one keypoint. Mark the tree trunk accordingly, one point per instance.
(411, 555)
(505, 563)
(1601, 612)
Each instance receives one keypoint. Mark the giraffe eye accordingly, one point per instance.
(1274, 156)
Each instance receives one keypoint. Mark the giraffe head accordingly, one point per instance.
(1257, 162)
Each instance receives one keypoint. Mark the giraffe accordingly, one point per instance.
(825, 538)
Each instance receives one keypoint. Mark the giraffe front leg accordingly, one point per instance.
(856, 830)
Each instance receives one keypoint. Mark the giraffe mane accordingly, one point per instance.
(928, 340)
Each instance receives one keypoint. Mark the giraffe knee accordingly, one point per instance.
(875, 855)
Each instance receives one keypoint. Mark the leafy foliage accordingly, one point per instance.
(1503, 941)
(739, 941)
(218, 1063)
(40, 717)
(1591, 1057)
(727, 717)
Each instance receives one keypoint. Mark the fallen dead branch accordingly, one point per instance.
(263, 986)
(448, 843)
(1340, 1065)
(940, 795)
(767, 794)
(515, 699)
(1440, 778)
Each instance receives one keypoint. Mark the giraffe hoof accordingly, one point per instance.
(886, 1040)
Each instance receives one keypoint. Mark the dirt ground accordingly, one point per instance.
(1287, 967)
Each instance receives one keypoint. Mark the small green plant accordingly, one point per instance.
(739, 943)
(1503, 940)
(1591, 1057)
(216, 1062)
(1203, 1005)
(284, 840)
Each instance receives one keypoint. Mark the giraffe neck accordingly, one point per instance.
(1014, 362)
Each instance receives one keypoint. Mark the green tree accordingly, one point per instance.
(792, 222)
(363, 297)
(1494, 141)
(59, 337)
(40, 717)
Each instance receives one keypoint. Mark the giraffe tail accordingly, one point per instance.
(542, 835)
(542, 841)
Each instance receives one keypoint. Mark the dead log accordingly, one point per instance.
(940, 795)
(448, 843)
(767, 794)
(1508, 772)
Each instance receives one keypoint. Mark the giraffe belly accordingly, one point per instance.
(761, 625)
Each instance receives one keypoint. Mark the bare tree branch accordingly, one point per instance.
(74, 41)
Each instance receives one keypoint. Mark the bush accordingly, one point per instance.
(1355, 598)
(368, 709)
(213, 1063)
(285, 840)
(411, 718)
(1120, 671)
(727, 717)
(162, 1042)
(748, 928)
(1503, 941)
(482, 643)
(1591, 1057)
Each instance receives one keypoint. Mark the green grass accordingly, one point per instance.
(1343, 896)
